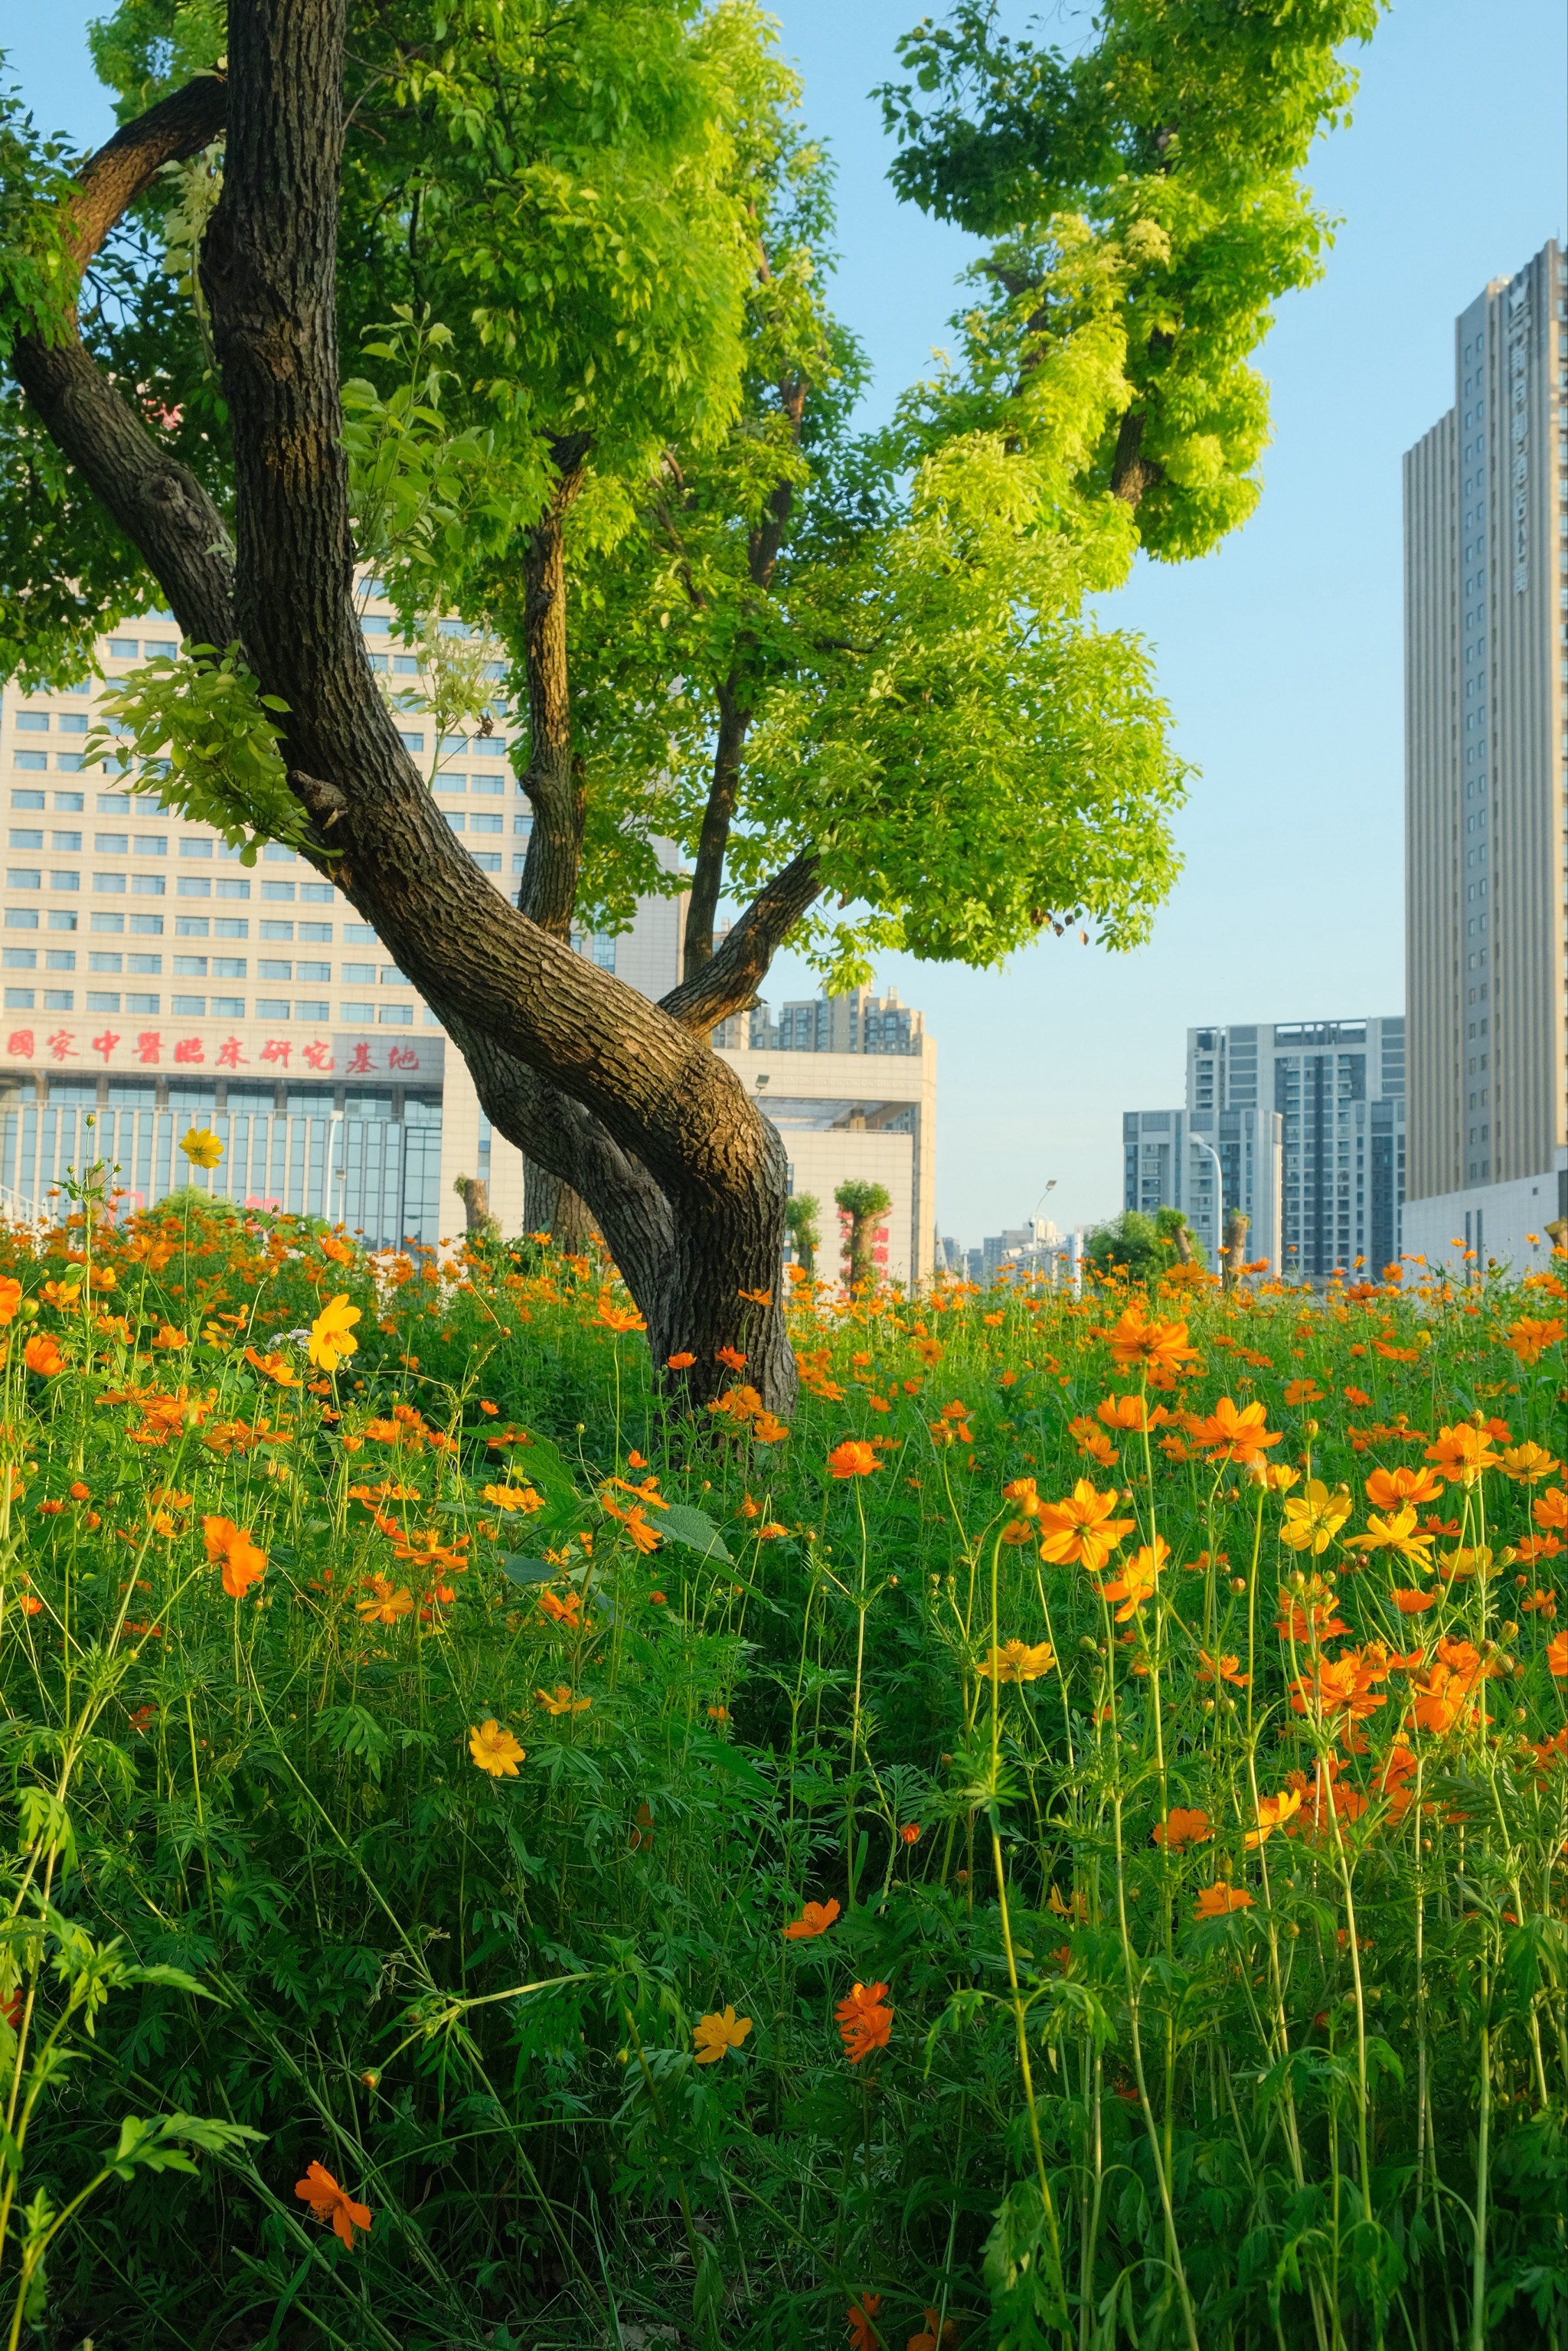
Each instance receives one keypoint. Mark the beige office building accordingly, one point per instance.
(151, 982)
(1486, 622)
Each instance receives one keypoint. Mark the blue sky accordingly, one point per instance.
(1279, 655)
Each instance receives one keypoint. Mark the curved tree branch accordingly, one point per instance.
(730, 979)
(159, 504)
(178, 127)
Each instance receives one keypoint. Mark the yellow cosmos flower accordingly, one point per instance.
(714, 2034)
(495, 1750)
(560, 1700)
(513, 1497)
(1313, 1519)
(1018, 1661)
(333, 1334)
(201, 1146)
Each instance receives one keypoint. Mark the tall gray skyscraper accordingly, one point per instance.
(1486, 621)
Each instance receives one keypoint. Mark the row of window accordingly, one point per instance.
(316, 1011)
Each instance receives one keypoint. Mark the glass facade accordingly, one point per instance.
(369, 1160)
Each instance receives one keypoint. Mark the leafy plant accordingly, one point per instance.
(198, 730)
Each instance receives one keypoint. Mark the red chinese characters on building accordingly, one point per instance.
(189, 1049)
(360, 1062)
(229, 1054)
(319, 1057)
(20, 1042)
(403, 1057)
(150, 1047)
(105, 1042)
(63, 1045)
(278, 1048)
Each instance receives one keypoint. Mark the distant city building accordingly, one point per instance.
(856, 1022)
(843, 1121)
(1034, 1250)
(1307, 1119)
(1486, 700)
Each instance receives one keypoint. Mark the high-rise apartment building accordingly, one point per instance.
(1307, 1119)
(1485, 696)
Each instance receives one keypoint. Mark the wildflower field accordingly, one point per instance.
(1059, 1845)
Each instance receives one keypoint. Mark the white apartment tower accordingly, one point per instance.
(1486, 694)
(1306, 1118)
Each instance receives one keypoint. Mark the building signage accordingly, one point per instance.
(361, 1053)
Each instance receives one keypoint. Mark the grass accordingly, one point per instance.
(1186, 1963)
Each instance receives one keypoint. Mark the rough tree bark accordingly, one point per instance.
(614, 1095)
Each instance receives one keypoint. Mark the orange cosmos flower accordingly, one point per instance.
(1463, 1454)
(865, 2023)
(1530, 1339)
(1528, 1463)
(242, 1563)
(1273, 1812)
(1218, 1901)
(1398, 1765)
(1016, 1661)
(936, 2334)
(1136, 1582)
(1557, 1656)
(1395, 1532)
(42, 1354)
(911, 1833)
(731, 1357)
(1220, 1670)
(1303, 1392)
(1413, 1604)
(562, 1608)
(1182, 1826)
(1082, 1528)
(681, 1362)
(328, 2202)
(852, 1458)
(618, 1318)
(714, 2035)
(1551, 1510)
(1386, 1489)
(1092, 1441)
(10, 1299)
(1153, 1346)
(1341, 1686)
(1131, 1412)
(861, 2315)
(814, 1919)
(1234, 1433)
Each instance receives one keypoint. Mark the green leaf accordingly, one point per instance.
(684, 1524)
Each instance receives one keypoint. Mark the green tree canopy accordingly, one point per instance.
(521, 304)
